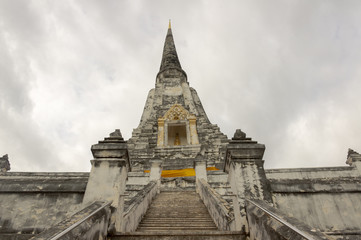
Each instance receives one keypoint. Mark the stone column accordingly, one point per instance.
(108, 174)
(156, 172)
(193, 130)
(246, 174)
(200, 167)
(160, 142)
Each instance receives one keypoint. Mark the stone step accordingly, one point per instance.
(217, 177)
(158, 228)
(178, 219)
(185, 216)
(15, 236)
(177, 223)
(184, 220)
(180, 211)
(182, 225)
(180, 235)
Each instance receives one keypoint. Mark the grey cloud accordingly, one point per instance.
(287, 73)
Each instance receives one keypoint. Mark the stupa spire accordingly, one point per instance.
(170, 57)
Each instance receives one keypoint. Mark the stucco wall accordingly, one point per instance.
(324, 198)
(31, 202)
(324, 211)
(266, 222)
(310, 173)
(89, 223)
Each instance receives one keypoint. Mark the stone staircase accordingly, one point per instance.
(177, 215)
(176, 211)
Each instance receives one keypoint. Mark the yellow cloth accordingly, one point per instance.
(186, 172)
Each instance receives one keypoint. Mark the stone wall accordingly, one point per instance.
(31, 202)
(326, 198)
(266, 222)
(89, 223)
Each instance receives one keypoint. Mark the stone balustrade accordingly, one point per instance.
(218, 208)
(138, 207)
(89, 223)
(266, 222)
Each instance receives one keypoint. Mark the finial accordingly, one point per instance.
(116, 134)
(238, 135)
(4, 163)
(169, 25)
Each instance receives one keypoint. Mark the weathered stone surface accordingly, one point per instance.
(325, 197)
(182, 235)
(311, 173)
(113, 147)
(185, 206)
(170, 58)
(325, 211)
(354, 160)
(138, 206)
(245, 165)
(173, 88)
(266, 222)
(178, 184)
(89, 223)
(353, 156)
(321, 185)
(184, 218)
(31, 202)
(239, 135)
(4, 163)
(221, 211)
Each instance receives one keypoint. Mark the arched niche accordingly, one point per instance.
(177, 128)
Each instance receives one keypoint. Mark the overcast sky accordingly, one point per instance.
(288, 73)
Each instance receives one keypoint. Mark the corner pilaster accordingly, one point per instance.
(246, 174)
(108, 174)
(200, 167)
(193, 130)
(156, 172)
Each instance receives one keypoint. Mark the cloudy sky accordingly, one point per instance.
(288, 73)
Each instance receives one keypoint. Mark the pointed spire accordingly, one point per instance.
(170, 57)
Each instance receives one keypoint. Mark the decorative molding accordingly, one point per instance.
(177, 112)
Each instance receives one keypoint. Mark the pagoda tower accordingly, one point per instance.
(174, 127)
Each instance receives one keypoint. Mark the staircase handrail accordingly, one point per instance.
(284, 222)
(135, 212)
(139, 196)
(43, 235)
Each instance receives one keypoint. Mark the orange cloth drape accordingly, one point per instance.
(186, 172)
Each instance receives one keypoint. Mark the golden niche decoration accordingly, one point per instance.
(177, 115)
(176, 112)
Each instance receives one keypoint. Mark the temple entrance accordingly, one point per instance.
(177, 135)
